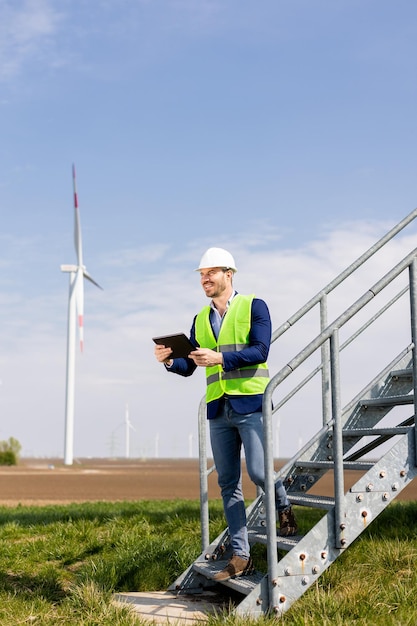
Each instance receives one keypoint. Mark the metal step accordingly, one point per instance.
(258, 535)
(242, 584)
(369, 432)
(387, 401)
(351, 465)
(375, 443)
(405, 374)
(315, 502)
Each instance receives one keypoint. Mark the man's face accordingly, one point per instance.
(215, 281)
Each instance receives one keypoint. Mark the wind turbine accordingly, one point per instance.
(77, 273)
(128, 426)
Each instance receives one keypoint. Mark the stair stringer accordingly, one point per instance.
(316, 551)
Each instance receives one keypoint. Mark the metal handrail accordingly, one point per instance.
(343, 275)
(341, 320)
(202, 446)
(328, 334)
(344, 345)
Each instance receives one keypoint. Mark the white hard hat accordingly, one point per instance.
(217, 257)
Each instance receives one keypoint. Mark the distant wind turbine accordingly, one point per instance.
(77, 273)
(128, 425)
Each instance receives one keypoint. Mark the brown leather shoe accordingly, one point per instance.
(287, 523)
(237, 566)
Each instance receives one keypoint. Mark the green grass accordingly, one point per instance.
(62, 564)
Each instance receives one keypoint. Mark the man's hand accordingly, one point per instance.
(204, 357)
(162, 354)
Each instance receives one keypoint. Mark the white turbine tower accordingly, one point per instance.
(77, 273)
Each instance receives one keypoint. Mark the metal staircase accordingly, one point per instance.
(370, 435)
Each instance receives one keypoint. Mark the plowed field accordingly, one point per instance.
(35, 482)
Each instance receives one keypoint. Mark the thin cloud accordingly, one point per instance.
(26, 31)
(130, 257)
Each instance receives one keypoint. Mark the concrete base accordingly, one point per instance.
(163, 607)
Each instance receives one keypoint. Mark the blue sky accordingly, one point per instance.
(285, 131)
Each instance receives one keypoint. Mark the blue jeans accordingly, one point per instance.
(228, 431)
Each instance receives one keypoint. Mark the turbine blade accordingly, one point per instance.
(88, 277)
(81, 271)
(77, 224)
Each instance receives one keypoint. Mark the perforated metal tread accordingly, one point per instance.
(258, 535)
(370, 432)
(313, 501)
(387, 401)
(352, 465)
(403, 374)
(242, 584)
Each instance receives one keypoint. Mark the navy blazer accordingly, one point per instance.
(256, 352)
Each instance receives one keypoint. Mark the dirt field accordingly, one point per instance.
(39, 482)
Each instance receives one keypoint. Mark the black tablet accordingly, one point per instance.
(180, 344)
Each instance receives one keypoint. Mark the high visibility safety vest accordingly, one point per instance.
(233, 336)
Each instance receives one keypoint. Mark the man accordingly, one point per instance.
(234, 335)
